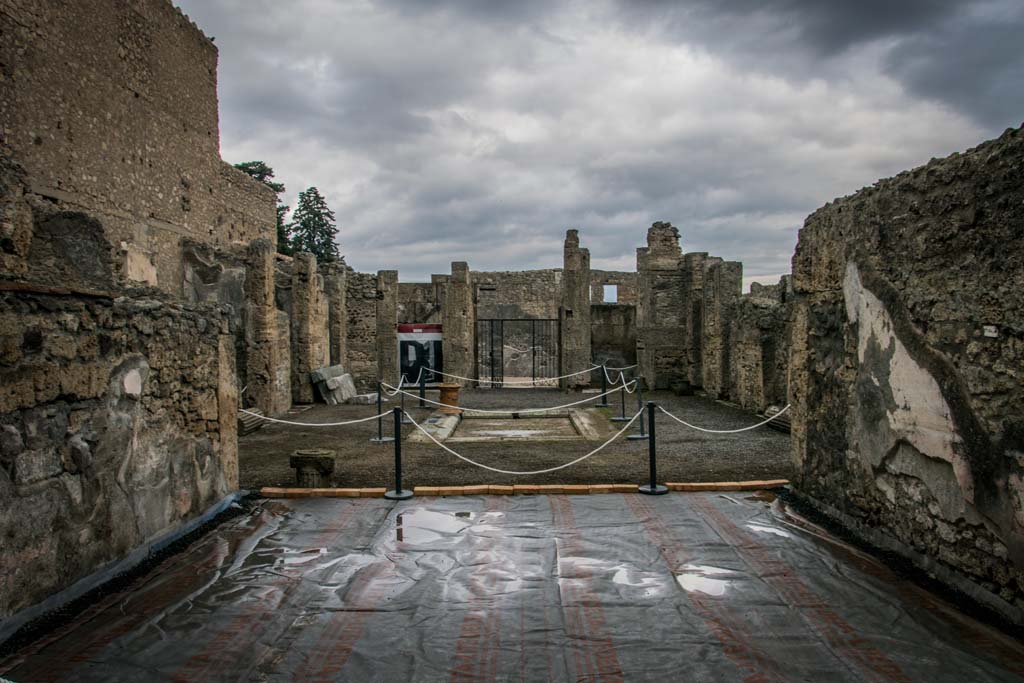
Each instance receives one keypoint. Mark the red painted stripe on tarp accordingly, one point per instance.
(837, 632)
(730, 632)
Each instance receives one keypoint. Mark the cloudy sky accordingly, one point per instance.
(481, 130)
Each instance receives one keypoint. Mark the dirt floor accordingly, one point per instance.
(682, 587)
(683, 454)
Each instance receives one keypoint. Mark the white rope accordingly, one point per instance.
(310, 424)
(503, 412)
(628, 367)
(723, 431)
(514, 382)
(512, 472)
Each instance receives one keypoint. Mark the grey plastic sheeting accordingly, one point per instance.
(704, 587)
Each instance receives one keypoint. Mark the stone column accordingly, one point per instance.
(575, 311)
(337, 315)
(387, 326)
(267, 369)
(693, 286)
(309, 326)
(723, 285)
(661, 308)
(458, 321)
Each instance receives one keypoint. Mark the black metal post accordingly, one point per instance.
(653, 488)
(380, 417)
(622, 401)
(640, 406)
(423, 387)
(405, 416)
(604, 385)
(399, 493)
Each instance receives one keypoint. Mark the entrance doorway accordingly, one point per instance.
(521, 352)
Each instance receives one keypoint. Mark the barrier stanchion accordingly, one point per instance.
(380, 417)
(398, 493)
(423, 388)
(405, 417)
(622, 401)
(604, 386)
(653, 488)
(640, 406)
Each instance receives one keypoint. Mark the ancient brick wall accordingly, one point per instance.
(661, 308)
(612, 336)
(758, 347)
(723, 283)
(94, 109)
(361, 304)
(517, 294)
(626, 283)
(117, 424)
(908, 349)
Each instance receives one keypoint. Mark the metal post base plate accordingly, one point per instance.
(638, 437)
(656, 490)
(404, 494)
(386, 439)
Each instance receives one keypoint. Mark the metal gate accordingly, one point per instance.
(522, 352)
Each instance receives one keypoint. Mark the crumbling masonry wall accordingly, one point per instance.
(759, 330)
(361, 352)
(93, 109)
(117, 424)
(723, 283)
(660, 315)
(575, 311)
(907, 374)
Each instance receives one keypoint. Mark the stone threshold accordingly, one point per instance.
(519, 489)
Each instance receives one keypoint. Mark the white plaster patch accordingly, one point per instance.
(133, 383)
(921, 415)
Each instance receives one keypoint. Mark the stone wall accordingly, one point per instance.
(117, 424)
(661, 308)
(309, 325)
(93, 109)
(387, 326)
(361, 352)
(458, 323)
(627, 284)
(759, 330)
(612, 337)
(517, 294)
(723, 283)
(420, 302)
(575, 311)
(908, 364)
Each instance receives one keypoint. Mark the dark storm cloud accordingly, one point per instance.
(480, 131)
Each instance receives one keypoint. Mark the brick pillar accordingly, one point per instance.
(337, 315)
(575, 311)
(723, 285)
(458, 320)
(387, 326)
(268, 370)
(661, 308)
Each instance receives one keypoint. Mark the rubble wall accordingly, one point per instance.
(309, 325)
(759, 333)
(575, 312)
(627, 284)
(612, 337)
(117, 425)
(661, 308)
(93, 108)
(517, 294)
(907, 373)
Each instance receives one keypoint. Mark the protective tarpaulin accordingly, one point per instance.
(704, 587)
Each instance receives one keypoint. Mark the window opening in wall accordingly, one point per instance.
(611, 294)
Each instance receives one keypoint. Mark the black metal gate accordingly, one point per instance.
(520, 352)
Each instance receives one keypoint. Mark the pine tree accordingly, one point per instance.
(313, 228)
(263, 173)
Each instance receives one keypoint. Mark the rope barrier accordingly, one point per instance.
(724, 431)
(514, 382)
(505, 412)
(515, 473)
(308, 424)
(628, 367)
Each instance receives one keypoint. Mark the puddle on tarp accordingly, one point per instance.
(425, 526)
(765, 529)
(699, 579)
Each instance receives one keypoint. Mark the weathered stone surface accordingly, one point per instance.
(314, 467)
(906, 361)
(459, 323)
(575, 311)
(309, 325)
(387, 326)
(661, 312)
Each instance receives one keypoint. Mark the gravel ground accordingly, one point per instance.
(683, 454)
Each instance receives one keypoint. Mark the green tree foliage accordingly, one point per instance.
(313, 228)
(260, 171)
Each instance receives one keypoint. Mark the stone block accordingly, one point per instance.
(313, 467)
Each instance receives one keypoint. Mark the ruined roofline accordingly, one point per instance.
(202, 34)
